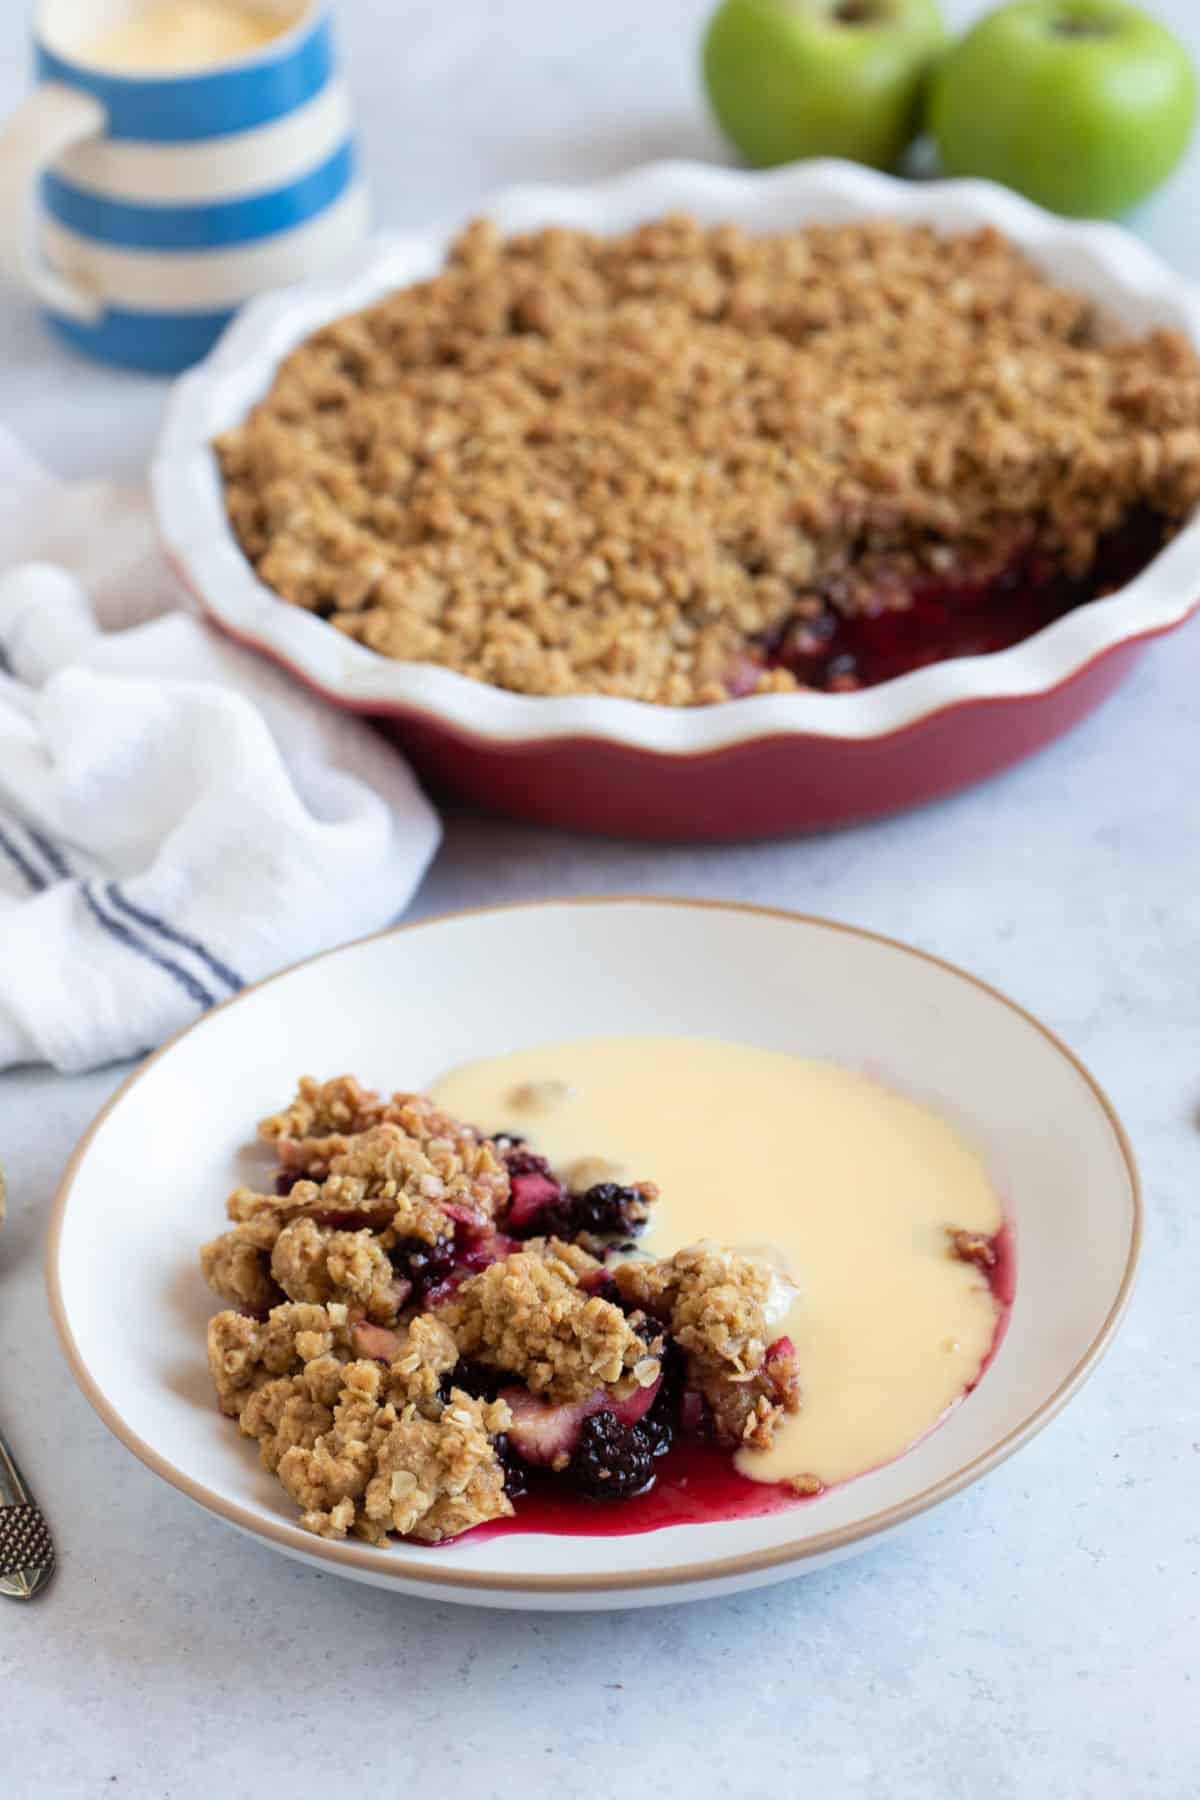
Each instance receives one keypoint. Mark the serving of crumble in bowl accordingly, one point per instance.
(436, 1324)
(701, 503)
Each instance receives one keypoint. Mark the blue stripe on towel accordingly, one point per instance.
(122, 934)
(51, 853)
(220, 970)
(19, 860)
(161, 343)
(143, 226)
(180, 109)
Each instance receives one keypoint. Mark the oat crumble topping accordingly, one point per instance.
(313, 1262)
(385, 1177)
(569, 464)
(712, 1304)
(528, 1315)
(361, 1447)
(571, 1259)
(244, 1352)
(237, 1265)
(321, 1108)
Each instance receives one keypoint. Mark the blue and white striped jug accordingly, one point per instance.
(142, 206)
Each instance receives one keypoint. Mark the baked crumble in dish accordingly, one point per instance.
(427, 1330)
(686, 463)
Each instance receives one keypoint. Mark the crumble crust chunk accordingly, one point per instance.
(237, 1265)
(386, 1162)
(384, 1178)
(528, 1315)
(325, 1117)
(243, 1353)
(436, 1478)
(312, 1262)
(572, 1258)
(570, 464)
(370, 1448)
(321, 1108)
(712, 1304)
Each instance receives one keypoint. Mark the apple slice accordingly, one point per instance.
(634, 1407)
(531, 1195)
(546, 1434)
(375, 1342)
(490, 1247)
(541, 1432)
(471, 1223)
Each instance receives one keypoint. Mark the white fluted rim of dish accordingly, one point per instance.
(1130, 284)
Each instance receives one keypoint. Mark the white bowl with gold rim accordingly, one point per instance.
(146, 1185)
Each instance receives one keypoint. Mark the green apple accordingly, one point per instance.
(793, 78)
(1084, 105)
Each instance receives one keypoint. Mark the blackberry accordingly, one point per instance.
(660, 1424)
(658, 1429)
(516, 1475)
(611, 1460)
(604, 1289)
(674, 1373)
(475, 1379)
(523, 1162)
(557, 1220)
(422, 1263)
(604, 1211)
(609, 1210)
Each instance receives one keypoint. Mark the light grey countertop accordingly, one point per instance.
(1037, 1636)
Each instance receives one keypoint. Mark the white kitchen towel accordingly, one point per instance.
(177, 818)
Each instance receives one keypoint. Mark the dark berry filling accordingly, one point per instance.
(475, 1379)
(425, 1265)
(963, 612)
(519, 1161)
(601, 1286)
(540, 1205)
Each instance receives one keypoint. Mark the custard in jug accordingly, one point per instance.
(177, 37)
